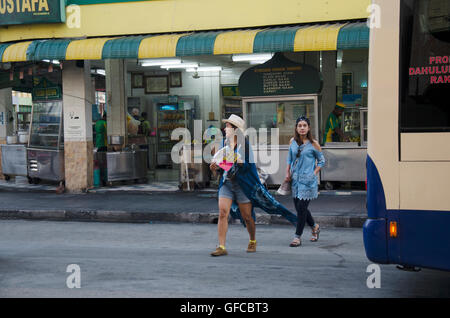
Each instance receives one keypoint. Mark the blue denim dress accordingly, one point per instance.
(304, 182)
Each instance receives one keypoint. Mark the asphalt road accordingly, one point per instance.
(172, 260)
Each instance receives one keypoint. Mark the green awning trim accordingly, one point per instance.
(197, 44)
(353, 36)
(47, 50)
(275, 40)
(122, 48)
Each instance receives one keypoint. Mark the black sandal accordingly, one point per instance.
(315, 234)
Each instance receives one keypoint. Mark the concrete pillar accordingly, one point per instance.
(6, 114)
(78, 145)
(116, 99)
(329, 87)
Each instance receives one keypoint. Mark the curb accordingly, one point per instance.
(178, 217)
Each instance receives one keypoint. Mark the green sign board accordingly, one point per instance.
(44, 90)
(280, 76)
(230, 90)
(32, 11)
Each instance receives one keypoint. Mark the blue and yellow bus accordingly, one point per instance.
(408, 163)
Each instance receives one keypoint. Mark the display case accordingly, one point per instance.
(45, 152)
(231, 105)
(346, 160)
(280, 113)
(46, 126)
(170, 117)
(23, 118)
(351, 124)
(277, 112)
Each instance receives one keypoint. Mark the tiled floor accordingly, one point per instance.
(21, 183)
(158, 180)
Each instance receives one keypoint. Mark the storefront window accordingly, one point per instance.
(45, 129)
(281, 115)
(424, 66)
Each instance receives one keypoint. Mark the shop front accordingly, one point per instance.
(277, 92)
(186, 76)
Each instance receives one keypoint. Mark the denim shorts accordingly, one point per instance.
(232, 190)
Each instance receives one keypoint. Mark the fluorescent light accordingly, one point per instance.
(51, 61)
(158, 62)
(257, 62)
(251, 57)
(180, 65)
(205, 69)
(98, 71)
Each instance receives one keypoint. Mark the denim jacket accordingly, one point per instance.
(304, 182)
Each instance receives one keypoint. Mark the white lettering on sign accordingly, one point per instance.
(21, 6)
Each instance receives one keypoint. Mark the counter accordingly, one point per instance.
(345, 161)
(46, 164)
(14, 160)
(125, 165)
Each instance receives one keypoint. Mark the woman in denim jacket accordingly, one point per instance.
(302, 171)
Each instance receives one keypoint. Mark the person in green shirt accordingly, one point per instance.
(333, 131)
(100, 134)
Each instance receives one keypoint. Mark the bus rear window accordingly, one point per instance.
(425, 66)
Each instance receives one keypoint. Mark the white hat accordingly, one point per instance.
(236, 121)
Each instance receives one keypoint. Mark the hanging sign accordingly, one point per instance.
(45, 90)
(32, 11)
(280, 76)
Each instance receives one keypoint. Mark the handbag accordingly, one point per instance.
(285, 188)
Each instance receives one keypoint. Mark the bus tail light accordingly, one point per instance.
(393, 229)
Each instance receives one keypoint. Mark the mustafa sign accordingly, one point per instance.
(32, 11)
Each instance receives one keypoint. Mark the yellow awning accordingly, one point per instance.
(317, 37)
(89, 49)
(16, 52)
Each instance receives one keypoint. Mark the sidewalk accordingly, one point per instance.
(332, 208)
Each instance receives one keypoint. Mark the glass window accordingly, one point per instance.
(364, 127)
(45, 128)
(281, 115)
(351, 124)
(424, 65)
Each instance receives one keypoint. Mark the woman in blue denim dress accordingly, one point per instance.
(305, 159)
